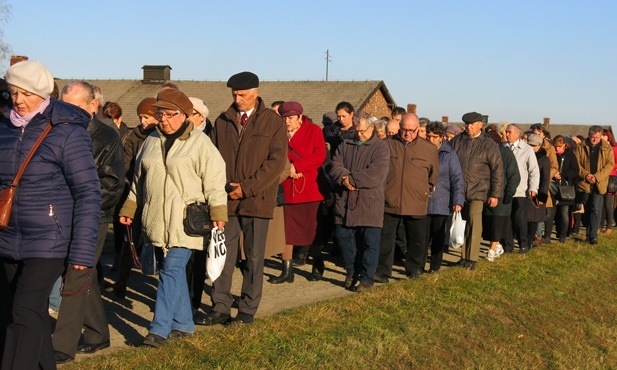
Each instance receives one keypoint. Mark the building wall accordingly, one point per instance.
(377, 106)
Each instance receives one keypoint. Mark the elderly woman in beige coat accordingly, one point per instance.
(177, 166)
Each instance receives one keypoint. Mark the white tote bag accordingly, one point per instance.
(457, 231)
(216, 253)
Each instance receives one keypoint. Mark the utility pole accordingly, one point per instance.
(328, 60)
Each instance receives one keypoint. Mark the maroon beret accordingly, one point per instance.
(290, 108)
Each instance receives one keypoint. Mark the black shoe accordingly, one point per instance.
(242, 318)
(593, 241)
(471, 265)
(299, 258)
(524, 250)
(120, 292)
(287, 275)
(382, 279)
(175, 334)
(462, 262)
(213, 318)
(153, 340)
(92, 348)
(62, 358)
(350, 281)
(413, 275)
(562, 240)
(364, 285)
(318, 269)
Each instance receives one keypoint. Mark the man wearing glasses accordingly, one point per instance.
(359, 168)
(412, 174)
(483, 175)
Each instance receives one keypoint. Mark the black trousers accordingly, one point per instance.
(415, 234)
(255, 231)
(520, 227)
(28, 338)
(436, 235)
(82, 306)
(196, 275)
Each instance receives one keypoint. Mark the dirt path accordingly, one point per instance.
(129, 318)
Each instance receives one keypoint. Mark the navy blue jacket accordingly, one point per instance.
(450, 188)
(57, 204)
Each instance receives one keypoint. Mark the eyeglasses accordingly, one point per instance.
(432, 136)
(409, 131)
(160, 115)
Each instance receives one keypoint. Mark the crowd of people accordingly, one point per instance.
(275, 183)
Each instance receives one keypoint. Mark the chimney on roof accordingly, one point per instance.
(156, 74)
(444, 120)
(547, 122)
(411, 108)
(18, 58)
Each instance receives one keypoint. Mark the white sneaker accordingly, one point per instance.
(498, 250)
(490, 256)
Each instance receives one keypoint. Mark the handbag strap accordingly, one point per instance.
(129, 233)
(36, 145)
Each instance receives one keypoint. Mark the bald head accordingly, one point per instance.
(409, 127)
(392, 127)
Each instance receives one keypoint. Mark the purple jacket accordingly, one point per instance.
(450, 188)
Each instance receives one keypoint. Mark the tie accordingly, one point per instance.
(243, 119)
(512, 147)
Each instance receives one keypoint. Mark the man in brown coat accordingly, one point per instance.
(413, 171)
(595, 161)
(253, 142)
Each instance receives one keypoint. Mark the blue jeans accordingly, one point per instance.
(173, 305)
(593, 208)
(360, 249)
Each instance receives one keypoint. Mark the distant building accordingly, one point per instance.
(317, 97)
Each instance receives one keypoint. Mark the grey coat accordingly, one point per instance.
(366, 165)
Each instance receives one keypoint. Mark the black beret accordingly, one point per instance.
(243, 81)
(472, 117)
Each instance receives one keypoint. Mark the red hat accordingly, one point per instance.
(290, 108)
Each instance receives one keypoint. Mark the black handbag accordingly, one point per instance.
(566, 192)
(536, 212)
(197, 219)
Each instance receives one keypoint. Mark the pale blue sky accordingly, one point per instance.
(513, 60)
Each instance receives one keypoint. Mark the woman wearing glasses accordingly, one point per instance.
(177, 166)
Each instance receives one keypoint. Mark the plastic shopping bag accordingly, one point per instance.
(216, 253)
(457, 231)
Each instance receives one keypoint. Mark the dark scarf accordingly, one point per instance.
(171, 138)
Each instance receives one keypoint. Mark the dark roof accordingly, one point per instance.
(317, 97)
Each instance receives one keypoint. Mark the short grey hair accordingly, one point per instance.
(380, 125)
(516, 127)
(98, 94)
(87, 88)
(595, 129)
(363, 117)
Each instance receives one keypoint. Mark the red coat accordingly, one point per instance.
(307, 152)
